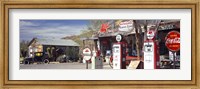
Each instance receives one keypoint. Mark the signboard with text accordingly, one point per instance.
(173, 41)
(126, 26)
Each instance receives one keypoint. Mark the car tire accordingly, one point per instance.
(26, 62)
(46, 61)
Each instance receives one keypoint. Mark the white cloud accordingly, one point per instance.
(52, 31)
(27, 23)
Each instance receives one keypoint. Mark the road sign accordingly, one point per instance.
(87, 54)
(173, 41)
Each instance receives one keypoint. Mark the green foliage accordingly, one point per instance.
(72, 51)
(24, 45)
(96, 24)
(93, 27)
(23, 48)
(84, 34)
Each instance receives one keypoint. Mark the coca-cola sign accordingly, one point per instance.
(172, 41)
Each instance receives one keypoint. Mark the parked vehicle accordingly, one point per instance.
(166, 63)
(28, 61)
(62, 58)
(39, 57)
(67, 58)
(46, 57)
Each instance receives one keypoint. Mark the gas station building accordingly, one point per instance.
(105, 40)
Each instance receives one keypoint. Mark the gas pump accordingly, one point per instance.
(119, 54)
(97, 63)
(151, 54)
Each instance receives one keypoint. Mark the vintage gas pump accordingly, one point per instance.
(119, 53)
(97, 63)
(151, 52)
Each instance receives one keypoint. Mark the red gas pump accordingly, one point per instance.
(119, 54)
(151, 51)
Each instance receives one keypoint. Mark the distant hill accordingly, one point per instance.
(84, 34)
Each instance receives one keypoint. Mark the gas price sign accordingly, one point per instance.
(173, 41)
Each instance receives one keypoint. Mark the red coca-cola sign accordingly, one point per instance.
(173, 41)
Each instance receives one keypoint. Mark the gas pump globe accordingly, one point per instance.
(151, 54)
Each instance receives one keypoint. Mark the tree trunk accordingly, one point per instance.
(137, 37)
(145, 30)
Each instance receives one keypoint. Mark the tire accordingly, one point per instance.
(26, 62)
(46, 61)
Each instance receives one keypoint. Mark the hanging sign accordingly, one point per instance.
(87, 54)
(173, 41)
(126, 26)
(171, 25)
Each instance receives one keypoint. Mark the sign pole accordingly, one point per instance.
(174, 60)
(87, 64)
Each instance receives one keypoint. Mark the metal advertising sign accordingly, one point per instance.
(126, 26)
(87, 54)
(173, 41)
(104, 27)
(119, 38)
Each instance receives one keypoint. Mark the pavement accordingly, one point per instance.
(57, 65)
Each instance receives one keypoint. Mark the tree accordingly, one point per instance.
(137, 39)
(96, 24)
(23, 48)
(140, 25)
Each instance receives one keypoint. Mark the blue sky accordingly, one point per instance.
(50, 28)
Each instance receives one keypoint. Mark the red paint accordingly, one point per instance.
(172, 41)
(87, 50)
(151, 34)
(104, 27)
(156, 55)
